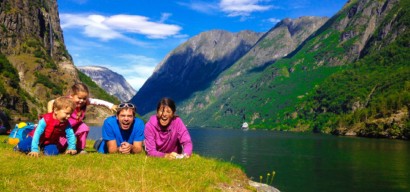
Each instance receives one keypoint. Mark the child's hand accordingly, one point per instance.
(71, 152)
(114, 108)
(33, 154)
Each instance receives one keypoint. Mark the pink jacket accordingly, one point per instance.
(174, 138)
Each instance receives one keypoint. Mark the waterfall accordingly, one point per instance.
(51, 35)
(50, 31)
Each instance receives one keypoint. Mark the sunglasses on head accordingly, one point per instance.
(126, 105)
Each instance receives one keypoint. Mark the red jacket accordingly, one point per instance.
(54, 129)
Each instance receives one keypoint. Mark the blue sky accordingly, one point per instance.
(131, 37)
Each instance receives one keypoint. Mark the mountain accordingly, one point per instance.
(112, 82)
(192, 66)
(349, 77)
(277, 43)
(35, 65)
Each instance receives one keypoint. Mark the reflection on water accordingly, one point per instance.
(244, 152)
(308, 162)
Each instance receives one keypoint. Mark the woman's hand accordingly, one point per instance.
(172, 155)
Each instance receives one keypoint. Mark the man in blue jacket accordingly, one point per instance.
(123, 133)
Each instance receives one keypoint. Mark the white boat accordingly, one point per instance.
(245, 126)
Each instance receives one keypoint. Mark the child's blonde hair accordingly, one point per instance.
(79, 87)
(63, 103)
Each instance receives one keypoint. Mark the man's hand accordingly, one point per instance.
(125, 148)
(33, 154)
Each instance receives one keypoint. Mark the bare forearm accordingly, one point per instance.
(136, 147)
(113, 150)
(112, 146)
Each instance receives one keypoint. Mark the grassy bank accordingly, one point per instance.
(98, 172)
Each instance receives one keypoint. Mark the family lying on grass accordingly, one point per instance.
(62, 129)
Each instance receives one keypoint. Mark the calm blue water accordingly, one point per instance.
(308, 162)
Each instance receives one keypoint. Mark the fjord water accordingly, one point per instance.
(308, 162)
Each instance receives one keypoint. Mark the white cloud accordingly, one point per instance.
(273, 20)
(164, 17)
(80, 1)
(92, 25)
(233, 8)
(141, 25)
(136, 69)
(78, 44)
(136, 82)
(139, 65)
(115, 27)
(200, 6)
(242, 7)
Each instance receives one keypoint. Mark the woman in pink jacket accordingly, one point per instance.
(165, 133)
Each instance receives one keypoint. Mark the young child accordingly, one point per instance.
(49, 130)
(80, 95)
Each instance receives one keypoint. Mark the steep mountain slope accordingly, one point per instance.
(31, 40)
(192, 66)
(270, 96)
(112, 82)
(275, 44)
(371, 97)
(34, 63)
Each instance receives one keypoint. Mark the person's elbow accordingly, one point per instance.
(151, 153)
(137, 149)
(112, 149)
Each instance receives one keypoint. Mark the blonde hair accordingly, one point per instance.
(63, 103)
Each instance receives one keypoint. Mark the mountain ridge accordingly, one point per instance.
(284, 90)
(208, 54)
(112, 82)
(271, 97)
(190, 66)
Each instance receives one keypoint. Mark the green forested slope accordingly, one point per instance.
(371, 97)
(325, 85)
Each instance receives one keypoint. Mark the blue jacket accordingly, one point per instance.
(112, 131)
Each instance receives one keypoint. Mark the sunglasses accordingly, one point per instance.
(126, 105)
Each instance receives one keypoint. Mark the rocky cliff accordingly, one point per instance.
(32, 41)
(35, 65)
(110, 81)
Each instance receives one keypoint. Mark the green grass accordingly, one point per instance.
(99, 172)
